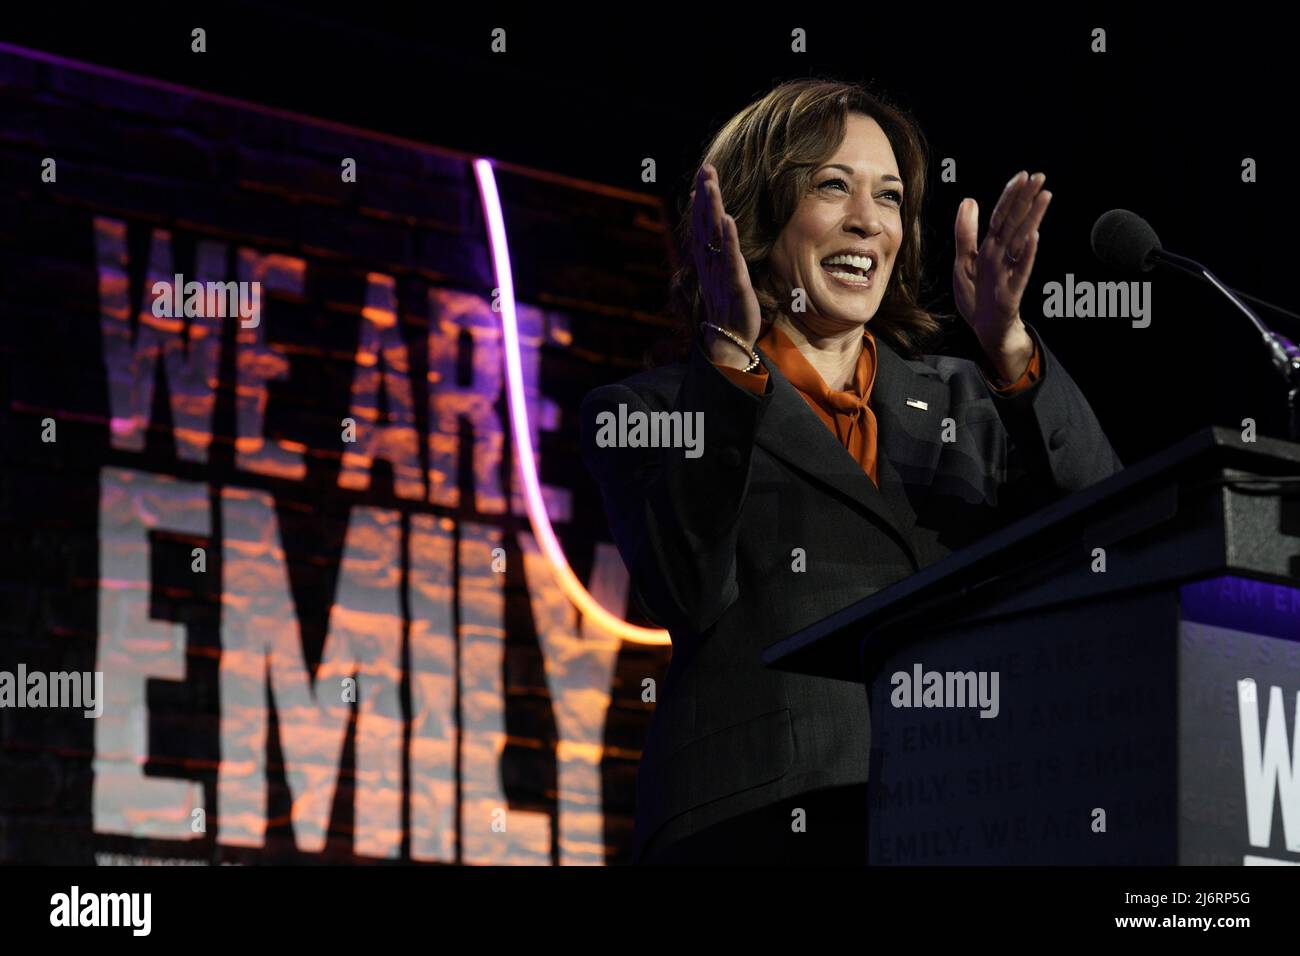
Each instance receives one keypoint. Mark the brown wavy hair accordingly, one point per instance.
(765, 156)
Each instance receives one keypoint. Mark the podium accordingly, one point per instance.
(1112, 680)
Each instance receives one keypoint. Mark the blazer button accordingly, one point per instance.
(1057, 439)
(731, 457)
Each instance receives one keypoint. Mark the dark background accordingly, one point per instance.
(1158, 124)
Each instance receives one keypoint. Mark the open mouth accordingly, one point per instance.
(857, 274)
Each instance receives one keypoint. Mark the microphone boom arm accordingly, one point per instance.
(1282, 351)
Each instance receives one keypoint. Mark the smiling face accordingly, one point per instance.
(854, 204)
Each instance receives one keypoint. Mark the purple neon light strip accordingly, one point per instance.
(524, 454)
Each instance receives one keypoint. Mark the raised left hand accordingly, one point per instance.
(989, 282)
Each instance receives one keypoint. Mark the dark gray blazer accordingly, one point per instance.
(709, 544)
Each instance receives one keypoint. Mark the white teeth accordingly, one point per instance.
(858, 262)
(852, 277)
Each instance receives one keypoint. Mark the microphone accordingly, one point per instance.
(1124, 240)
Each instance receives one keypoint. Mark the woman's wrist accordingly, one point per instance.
(1010, 355)
(724, 350)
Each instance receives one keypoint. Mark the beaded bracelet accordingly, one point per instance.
(754, 363)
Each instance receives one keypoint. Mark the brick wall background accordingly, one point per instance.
(590, 267)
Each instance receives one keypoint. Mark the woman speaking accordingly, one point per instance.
(837, 457)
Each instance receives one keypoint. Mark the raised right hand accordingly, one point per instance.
(729, 299)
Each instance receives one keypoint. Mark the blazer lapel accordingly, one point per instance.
(907, 442)
(908, 436)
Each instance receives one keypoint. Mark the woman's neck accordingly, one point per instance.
(834, 354)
